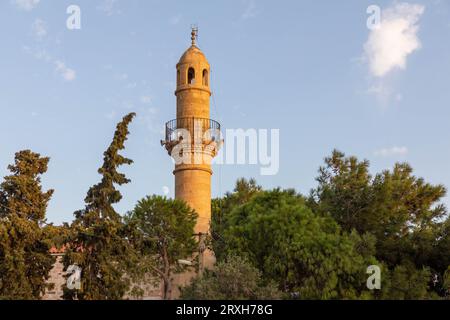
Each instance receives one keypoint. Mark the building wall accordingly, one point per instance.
(152, 289)
(57, 278)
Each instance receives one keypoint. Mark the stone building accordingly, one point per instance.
(57, 278)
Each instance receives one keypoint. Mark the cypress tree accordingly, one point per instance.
(99, 243)
(25, 260)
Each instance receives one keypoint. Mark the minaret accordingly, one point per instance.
(193, 139)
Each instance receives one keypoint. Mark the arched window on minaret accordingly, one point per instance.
(191, 76)
(205, 77)
(178, 77)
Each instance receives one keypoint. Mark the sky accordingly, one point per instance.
(318, 71)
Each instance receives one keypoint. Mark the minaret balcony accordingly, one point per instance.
(197, 132)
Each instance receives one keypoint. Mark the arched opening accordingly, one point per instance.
(191, 76)
(205, 77)
(178, 77)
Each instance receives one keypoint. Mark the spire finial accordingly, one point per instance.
(194, 34)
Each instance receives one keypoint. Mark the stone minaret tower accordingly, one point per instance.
(193, 139)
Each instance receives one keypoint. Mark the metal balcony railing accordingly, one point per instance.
(197, 127)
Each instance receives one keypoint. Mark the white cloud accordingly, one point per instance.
(26, 5)
(39, 29)
(40, 54)
(394, 151)
(389, 45)
(68, 74)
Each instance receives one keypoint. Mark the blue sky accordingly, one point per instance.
(309, 68)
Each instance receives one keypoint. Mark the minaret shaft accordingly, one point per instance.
(193, 185)
(193, 180)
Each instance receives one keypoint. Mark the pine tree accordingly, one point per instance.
(99, 242)
(404, 213)
(306, 254)
(222, 207)
(24, 246)
(165, 234)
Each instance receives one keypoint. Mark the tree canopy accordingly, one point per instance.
(402, 211)
(234, 278)
(268, 243)
(165, 234)
(306, 254)
(320, 247)
(99, 241)
(24, 245)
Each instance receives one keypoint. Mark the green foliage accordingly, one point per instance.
(269, 244)
(221, 208)
(344, 192)
(441, 254)
(446, 282)
(320, 247)
(406, 282)
(99, 239)
(401, 210)
(24, 245)
(57, 235)
(306, 254)
(232, 279)
(165, 234)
